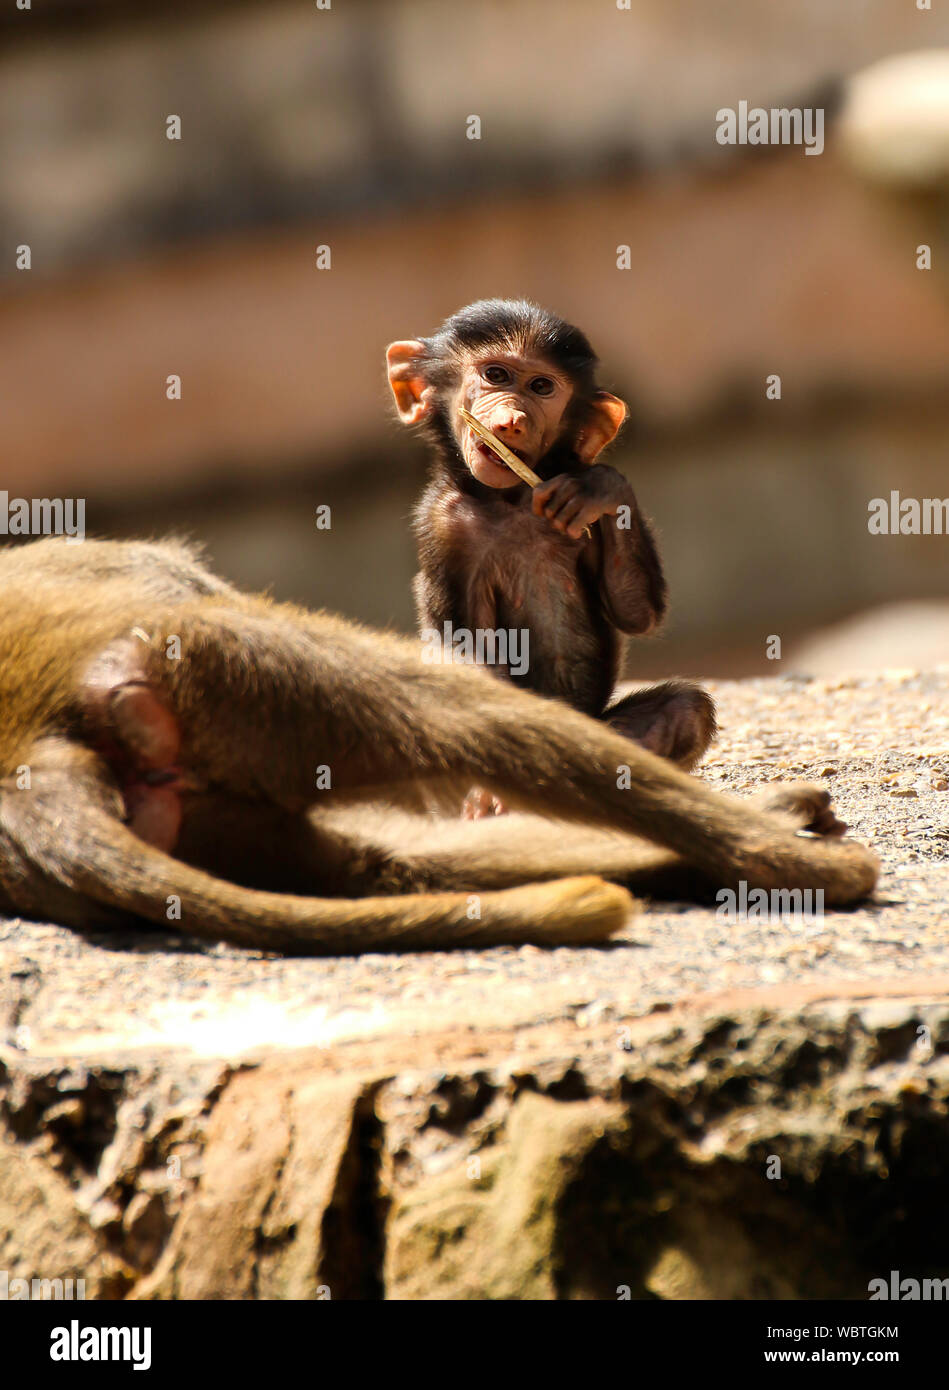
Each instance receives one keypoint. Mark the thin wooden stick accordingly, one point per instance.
(516, 465)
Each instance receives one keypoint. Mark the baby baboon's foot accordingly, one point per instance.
(131, 725)
(805, 805)
(480, 803)
(675, 720)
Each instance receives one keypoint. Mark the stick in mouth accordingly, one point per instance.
(516, 465)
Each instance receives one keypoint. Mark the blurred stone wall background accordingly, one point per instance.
(345, 127)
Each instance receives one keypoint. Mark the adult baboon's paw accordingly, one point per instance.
(806, 806)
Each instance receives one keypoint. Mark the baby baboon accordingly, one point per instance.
(572, 564)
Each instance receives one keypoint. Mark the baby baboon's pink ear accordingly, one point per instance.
(408, 386)
(606, 415)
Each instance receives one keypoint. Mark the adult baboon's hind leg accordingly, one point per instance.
(384, 850)
(66, 856)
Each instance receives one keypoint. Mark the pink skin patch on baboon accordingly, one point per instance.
(131, 726)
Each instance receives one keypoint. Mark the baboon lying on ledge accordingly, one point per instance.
(164, 736)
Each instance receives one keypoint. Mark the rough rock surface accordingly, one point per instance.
(703, 1109)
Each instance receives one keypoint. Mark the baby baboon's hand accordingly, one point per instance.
(572, 502)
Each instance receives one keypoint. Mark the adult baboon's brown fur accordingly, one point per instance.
(162, 737)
